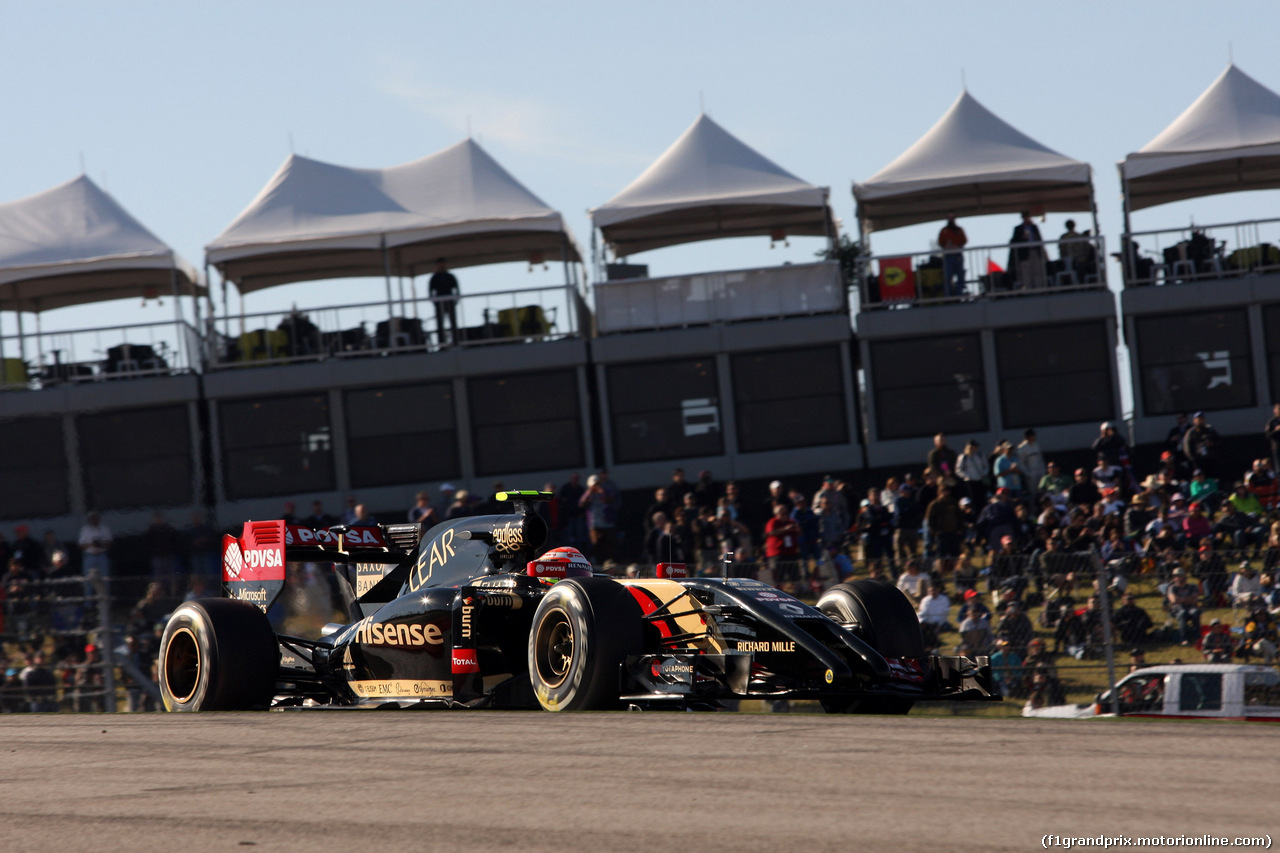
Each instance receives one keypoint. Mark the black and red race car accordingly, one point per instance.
(474, 614)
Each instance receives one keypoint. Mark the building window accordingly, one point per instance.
(789, 398)
(1190, 362)
(276, 446)
(137, 458)
(1057, 374)
(33, 469)
(665, 410)
(401, 434)
(526, 422)
(923, 386)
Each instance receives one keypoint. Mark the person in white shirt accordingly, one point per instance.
(935, 608)
(1031, 461)
(95, 540)
(1245, 584)
(972, 467)
(912, 583)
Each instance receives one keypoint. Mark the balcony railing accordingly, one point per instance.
(718, 297)
(979, 272)
(44, 359)
(1200, 252)
(411, 325)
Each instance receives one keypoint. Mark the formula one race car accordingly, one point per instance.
(472, 613)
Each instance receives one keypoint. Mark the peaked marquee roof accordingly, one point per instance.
(707, 185)
(1228, 140)
(316, 220)
(972, 163)
(75, 244)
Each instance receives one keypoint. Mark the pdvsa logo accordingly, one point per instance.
(232, 561)
(263, 558)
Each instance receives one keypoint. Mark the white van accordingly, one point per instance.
(1224, 691)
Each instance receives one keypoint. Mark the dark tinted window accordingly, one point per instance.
(1271, 335)
(665, 410)
(33, 469)
(927, 385)
(136, 458)
(401, 434)
(1054, 374)
(1200, 691)
(789, 398)
(526, 422)
(1195, 361)
(276, 446)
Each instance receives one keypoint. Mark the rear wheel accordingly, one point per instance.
(217, 654)
(879, 613)
(583, 630)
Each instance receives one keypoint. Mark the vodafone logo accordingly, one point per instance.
(232, 561)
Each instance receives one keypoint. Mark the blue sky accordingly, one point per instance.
(183, 111)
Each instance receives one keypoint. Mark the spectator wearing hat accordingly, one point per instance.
(1007, 670)
(1137, 660)
(1110, 445)
(1031, 461)
(1202, 445)
(1216, 645)
(1261, 480)
(934, 613)
(1260, 636)
(997, 519)
(601, 502)
(975, 628)
(912, 581)
(1055, 481)
(1007, 472)
(973, 469)
(1015, 627)
(1132, 623)
(1245, 584)
(1184, 606)
(875, 528)
(1196, 525)
(1272, 433)
(422, 510)
(945, 525)
(1204, 489)
(1107, 475)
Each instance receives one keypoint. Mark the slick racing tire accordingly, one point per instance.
(879, 613)
(583, 630)
(218, 654)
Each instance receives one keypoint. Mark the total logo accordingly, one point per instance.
(464, 661)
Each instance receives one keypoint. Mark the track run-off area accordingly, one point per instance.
(532, 781)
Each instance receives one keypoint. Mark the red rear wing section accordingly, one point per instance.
(253, 565)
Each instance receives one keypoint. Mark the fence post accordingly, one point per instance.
(1104, 597)
(106, 643)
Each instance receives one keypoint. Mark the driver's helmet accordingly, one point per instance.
(560, 563)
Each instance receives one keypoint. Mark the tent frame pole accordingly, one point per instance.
(178, 319)
(393, 322)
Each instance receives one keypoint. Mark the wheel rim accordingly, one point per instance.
(182, 665)
(554, 648)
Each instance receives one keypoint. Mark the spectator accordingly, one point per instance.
(1006, 670)
(707, 542)
(443, 287)
(1260, 633)
(572, 517)
(290, 514)
(942, 458)
(1132, 623)
(997, 519)
(1083, 492)
(1245, 584)
(422, 512)
(203, 547)
(319, 519)
(26, 549)
(601, 501)
(944, 522)
(661, 505)
(1204, 489)
(1217, 645)
(1272, 433)
(1027, 258)
(39, 684)
(678, 488)
(833, 524)
(706, 491)
(875, 529)
(952, 240)
(1111, 446)
(782, 544)
(912, 582)
(1245, 501)
(348, 516)
(461, 506)
(907, 520)
(95, 540)
(1015, 628)
(363, 518)
(1054, 482)
(20, 597)
(934, 613)
(448, 494)
(975, 630)
(1184, 607)
(1031, 461)
(1195, 526)
(734, 537)
(1262, 482)
(1008, 473)
(1202, 445)
(973, 469)
(810, 530)
(663, 544)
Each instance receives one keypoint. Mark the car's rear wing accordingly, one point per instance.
(253, 565)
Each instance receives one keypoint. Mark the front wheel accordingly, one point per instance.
(583, 630)
(217, 654)
(879, 613)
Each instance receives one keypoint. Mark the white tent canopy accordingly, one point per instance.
(708, 185)
(74, 244)
(972, 163)
(315, 220)
(1227, 141)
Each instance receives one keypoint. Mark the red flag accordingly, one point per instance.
(992, 266)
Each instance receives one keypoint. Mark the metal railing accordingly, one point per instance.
(1199, 252)
(44, 359)
(408, 325)
(1002, 270)
(718, 297)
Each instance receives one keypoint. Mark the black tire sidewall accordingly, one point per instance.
(238, 651)
(192, 618)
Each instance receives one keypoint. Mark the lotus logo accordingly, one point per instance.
(232, 560)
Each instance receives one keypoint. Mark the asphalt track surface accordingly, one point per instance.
(379, 780)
